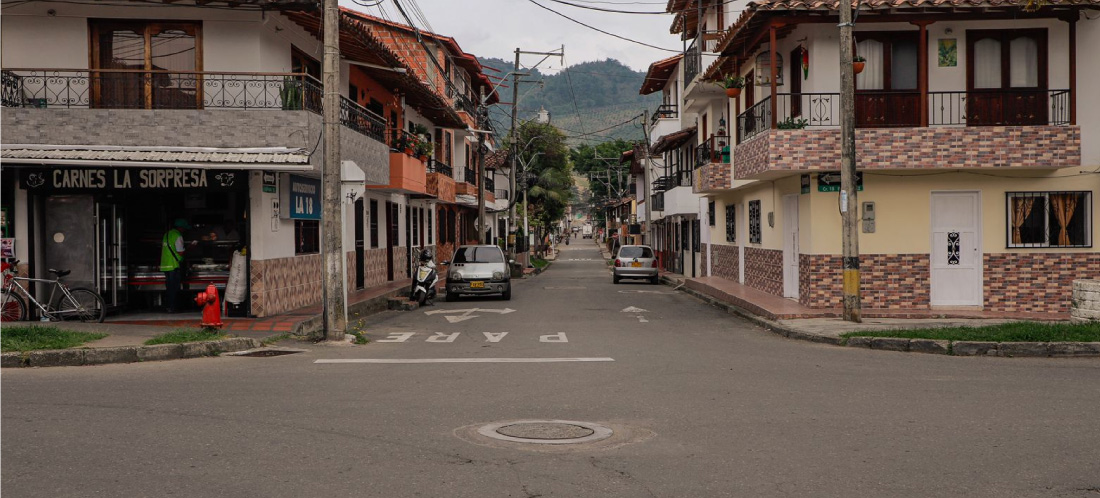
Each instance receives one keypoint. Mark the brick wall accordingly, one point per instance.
(726, 264)
(284, 284)
(1035, 282)
(713, 176)
(764, 269)
(887, 281)
(913, 148)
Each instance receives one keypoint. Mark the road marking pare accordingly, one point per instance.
(445, 337)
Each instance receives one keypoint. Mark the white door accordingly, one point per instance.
(790, 246)
(956, 274)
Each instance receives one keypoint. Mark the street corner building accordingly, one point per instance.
(977, 153)
(126, 118)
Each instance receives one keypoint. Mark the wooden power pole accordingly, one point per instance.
(332, 254)
(848, 202)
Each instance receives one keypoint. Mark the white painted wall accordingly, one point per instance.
(1088, 101)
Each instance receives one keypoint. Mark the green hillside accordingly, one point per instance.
(582, 99)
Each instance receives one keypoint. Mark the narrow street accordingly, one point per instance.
(701, 404)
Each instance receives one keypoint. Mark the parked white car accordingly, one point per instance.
(635, 262)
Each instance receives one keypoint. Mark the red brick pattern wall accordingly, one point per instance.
(726, 264)
(713, 176)
(913, 148)
(888, 281)
(703, 259)
(284, 284)
(764, 269)
(1035, 282)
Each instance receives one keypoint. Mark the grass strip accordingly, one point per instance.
(180, 336)
(35, 337)
(1005, 332)
(539, 263)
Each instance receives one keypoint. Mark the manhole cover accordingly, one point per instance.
(546, 431)
(261, 353)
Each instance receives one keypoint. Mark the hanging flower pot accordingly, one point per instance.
(857, 64)
(733, 92)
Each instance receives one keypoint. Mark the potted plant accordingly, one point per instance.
(423, 150)
(733, 85)
(857, 63)
(291, 94)
(406, 143)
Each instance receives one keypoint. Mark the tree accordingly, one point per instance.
(600, 163)
(546, 174)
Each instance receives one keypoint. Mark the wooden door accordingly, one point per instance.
(887, 93)
(360, 245)
(1006, 77)
(391, 237)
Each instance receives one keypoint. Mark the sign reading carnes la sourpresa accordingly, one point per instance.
(129, 179)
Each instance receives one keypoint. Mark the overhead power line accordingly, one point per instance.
(608, 33)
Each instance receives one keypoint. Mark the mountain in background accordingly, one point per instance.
(582, 99)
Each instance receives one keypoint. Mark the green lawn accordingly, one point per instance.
(1007, 332)
(180, 336)
(34, 337)
(540, 263)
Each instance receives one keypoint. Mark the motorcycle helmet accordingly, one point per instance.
(425, 255)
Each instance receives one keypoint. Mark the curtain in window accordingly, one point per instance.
(1063, 205)
(1023, 63)
(987, 63)
(1021, 208)
(872, 76)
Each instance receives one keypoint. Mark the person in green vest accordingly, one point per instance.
(172, 249)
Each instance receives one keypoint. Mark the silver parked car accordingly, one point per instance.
(478, 270)
(635, 262)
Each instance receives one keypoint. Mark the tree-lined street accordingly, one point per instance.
(708, 406)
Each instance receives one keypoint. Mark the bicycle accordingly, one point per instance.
(77, 303)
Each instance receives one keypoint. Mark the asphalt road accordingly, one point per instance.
(703, 405)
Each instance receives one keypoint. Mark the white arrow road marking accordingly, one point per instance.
(459, 318)
(644, 292)
(467, 314)
(462, 360)
(494, 336)
(632, 309)
(641, 319)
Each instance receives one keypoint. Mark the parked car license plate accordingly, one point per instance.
(636, 264)
(477, 284)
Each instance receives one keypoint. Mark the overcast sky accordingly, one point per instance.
(494, 28)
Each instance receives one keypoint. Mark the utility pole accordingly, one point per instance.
(481, 118)
(848, 201)
(515, 152)
(335, 321)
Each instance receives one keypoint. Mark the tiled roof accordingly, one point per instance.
(673, 140)
(496, 160)
(659, 72)
(292, 158)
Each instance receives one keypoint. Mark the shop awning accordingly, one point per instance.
(268, 158)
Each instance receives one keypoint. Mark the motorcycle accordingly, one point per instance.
(424, 280)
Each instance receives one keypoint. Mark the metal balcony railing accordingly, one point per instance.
(437, 166)
(895, 109)
(470, 176)
(693, 60)
(139, 89)
(664, 111)
(713, 150)
(490, 184)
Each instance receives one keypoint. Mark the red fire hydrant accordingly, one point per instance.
(211, 308)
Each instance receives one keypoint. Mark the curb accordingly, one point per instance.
(125, 354)
(928, 346)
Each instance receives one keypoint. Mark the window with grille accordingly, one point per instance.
(1049, 219)
(731, 223)
(307, 236)
(710, 213)
(373, 223)
(754, 222)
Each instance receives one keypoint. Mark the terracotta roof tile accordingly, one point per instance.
(658, 74)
